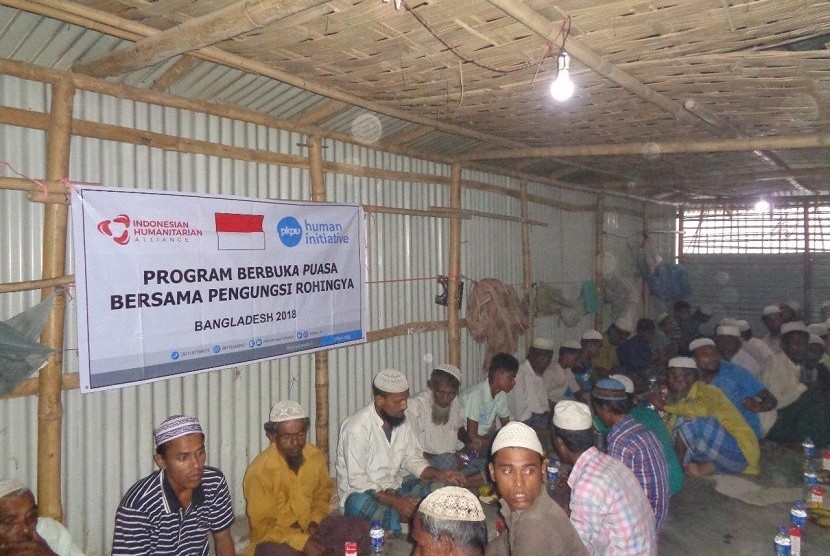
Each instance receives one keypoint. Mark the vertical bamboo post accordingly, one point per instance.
(599, 245)
(808, 266)
(527, 267)
(49, 404)
(680, 234)
(454, 322)
(646, 291)
(321, 358)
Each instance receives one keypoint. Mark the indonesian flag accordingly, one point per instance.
(239, 231)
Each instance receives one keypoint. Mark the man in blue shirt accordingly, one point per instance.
(745, 391)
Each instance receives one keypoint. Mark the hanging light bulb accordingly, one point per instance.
(562, 87)
(762, 206)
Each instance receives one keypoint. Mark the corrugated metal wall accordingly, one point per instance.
(107, 436)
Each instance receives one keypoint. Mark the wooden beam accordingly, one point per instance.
(320, 112)
(527, 260)
(668, 147)
(409, 134)
(228, 22)
(725, 179)
(454, 271)
(173, 73)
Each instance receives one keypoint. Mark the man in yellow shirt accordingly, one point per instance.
(711, 435)
(288, 490)
(606, 362)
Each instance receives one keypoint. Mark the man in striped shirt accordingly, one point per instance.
(171, 511)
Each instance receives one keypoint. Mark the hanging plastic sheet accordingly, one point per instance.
(20, 352)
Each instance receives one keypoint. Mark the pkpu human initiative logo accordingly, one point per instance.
(118, 229)
(289, 231)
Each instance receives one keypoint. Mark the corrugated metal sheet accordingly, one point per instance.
(107, 444)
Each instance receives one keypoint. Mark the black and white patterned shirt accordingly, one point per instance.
(151, 521)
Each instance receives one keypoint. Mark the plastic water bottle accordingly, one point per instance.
(809, 448)
(783, 546)
(377, 537)
(810, 475)
(653, 389)
(552, 474)
(798, 514)
(795, 540)
(586, 382)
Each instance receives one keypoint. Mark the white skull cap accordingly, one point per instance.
(729, 330)
(818, 328)
(571, 344)
(794, 305)
(516, 435)
(682, 363)
(624, 324)
(452, 503)
(816, 340)
(175, 427)
(391, 381)
(771, 310)
(700, 342)
(451, 370)
(592, 335)
(661, 317)
(10, 486)
(793, 327)
(707, 310)
(572, 416)
(728, 321)
(743, 325)
(625, 381)
(287, 410)
(543, 343)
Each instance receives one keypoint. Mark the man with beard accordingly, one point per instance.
(375, 449)
(436, 416)
(171, 511)
(773, 319)
(711, 435)
(288, 490)
(22, 532)
(527, 400)
(802, 412)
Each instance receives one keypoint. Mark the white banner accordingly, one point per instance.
(170, 284)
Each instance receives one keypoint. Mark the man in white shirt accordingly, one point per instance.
(376, 451)
(755, 347)
(528, 400)
(730, 347)
(560, 383)
(772, 318)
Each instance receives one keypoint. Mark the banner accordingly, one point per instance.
(170, 284)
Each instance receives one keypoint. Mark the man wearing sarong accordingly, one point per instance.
(710, 434)
(381, 471)
(527, 400)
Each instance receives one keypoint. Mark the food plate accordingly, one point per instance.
(491, 499)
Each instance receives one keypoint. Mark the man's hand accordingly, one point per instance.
(312, 528)
(476, 445)
(753, 404)
(452, 476)
(406, 506)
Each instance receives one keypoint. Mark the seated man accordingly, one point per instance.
(450, 522)
(436, 416)
(535, 523)
(487, 401)
(288, 491)
(802, 412)
(663, 346)
(584, 372)
(609, 509)
(730, 347)
(816, 373)
(527, 401)
(559, 379)
(747, 394)
(171, 511)
(756, 349)
(633, 444)
(606, 361)
(635, 354)
(773, 319)
(23, 532)
(711, 435)
(375, 448)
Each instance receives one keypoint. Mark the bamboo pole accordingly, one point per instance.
(453, 309)
(645, 290)
(599, 245)
(527, 263)
(434, 212)
(36, 284)
(806, 292)
(50, 407)
(30, 387)
(321, 358)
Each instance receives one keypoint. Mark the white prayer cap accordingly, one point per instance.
(728, 321)
(572, 416)
(818, 328)
(592, 335)
(391, 381)
(10, 486)
(816, 340)
(661, 317)
(700, 342)
(543, 343)
(743, 325)
(707, 310)
(451, 370)
(624, 324)
(571, 344)
(796, 326)
(682, 363)
(627, 382)
(452, 503)
(516, 435)
(175, 427)
(729, 330)
(794, 305)
(286, 410)
(771, 310)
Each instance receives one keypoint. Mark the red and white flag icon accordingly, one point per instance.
(239, 231)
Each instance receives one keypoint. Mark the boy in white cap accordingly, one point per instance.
(450, 522)
(376, 451)
(527, 400)
(436, 416)
(773, 319)
(609, 508)
(23, 532)
(171, 511)
(288, 492)
(535, 523)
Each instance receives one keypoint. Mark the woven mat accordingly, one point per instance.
(747, 491)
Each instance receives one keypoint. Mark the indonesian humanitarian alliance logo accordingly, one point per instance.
(118, 229)
(122, 229)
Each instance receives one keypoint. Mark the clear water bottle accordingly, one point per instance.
(377, 537)
(653, 389)
(552, 474)
(783, 546)
(798, 514)
(809, 448)
(810, 475)
(586, 382)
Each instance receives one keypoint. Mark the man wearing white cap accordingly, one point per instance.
(450, 522)
(747, 394)
(820, 329)
(171, 511)
(288, 492)
(23, 532)
(609, 508)
(527, 401)
(773, 319)
(606, 361)
(535, 523)
(801, 412)
(376, 450)
(791, 311)
(436, 416)
(755, 347)
(816, 373)
(731, 348)
(584, 372)
(711, 433)
(559, 379)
